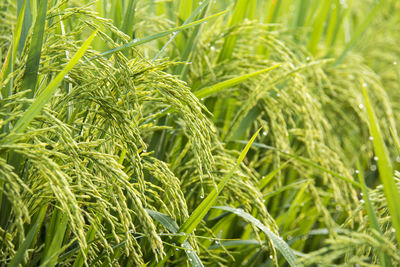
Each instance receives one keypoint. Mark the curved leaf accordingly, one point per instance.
(277, 241)
(173, 227)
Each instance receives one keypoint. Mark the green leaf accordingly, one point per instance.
(306, 162)
(264, 181)
(173, 227)
(235, 243)
(19, 255)
(374, 224)
(35, 50)
(159, 35)
(384, 166)
(54, 238)
(216, 88)
(396, 140)
(199, 213)
(129, 18)
(230, 41)
(91, 233)
(277, 241)
(360, 31)
(191, 42)
(318, 27)
(185, 8)
(27, 22)
(8, 66)
(286, 187)
(187, 21)
(41, 100)
(4, 71)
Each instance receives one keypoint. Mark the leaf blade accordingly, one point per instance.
(173, 227)
(198, 214)
(48, 92)
(159, 35)
(32, 63)
(216, 88)
(384, 165)
(277, 241)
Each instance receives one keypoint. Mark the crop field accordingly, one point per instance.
(199, 133)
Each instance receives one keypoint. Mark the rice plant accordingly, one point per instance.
(199, 133)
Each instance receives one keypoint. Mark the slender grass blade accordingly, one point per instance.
(32, 63)
(159, 35)
(374, 224)
(19, 255)
(384, 166)
(277, 241)
(230, 41)
(35, 108)
(173, 227)
(199, 213)
(216, 88)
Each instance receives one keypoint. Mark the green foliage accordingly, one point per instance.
(123, 123)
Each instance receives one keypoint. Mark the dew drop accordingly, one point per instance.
(395, 63)
(373, 168)
(212, 48)
(177, 249)
(216, 242)
(393, 230)
(357, 171)
(278, 94)
(371, 138)
(361, 106)
(264, 133)
(308, 58)
(202, 99)
(270, 256)
(201, 196)
(375, 158)
(365, 84)
(144, 150)
(362, 201)
(168, 113)
(210, 239)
